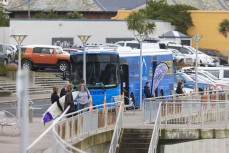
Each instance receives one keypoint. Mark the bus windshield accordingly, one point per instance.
(102, 70)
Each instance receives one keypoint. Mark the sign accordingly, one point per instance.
(159, 73)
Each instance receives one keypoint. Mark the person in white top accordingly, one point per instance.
(83, 97)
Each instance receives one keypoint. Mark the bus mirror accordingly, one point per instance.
(66, 75)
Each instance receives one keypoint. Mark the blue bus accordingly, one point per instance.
(115, 72)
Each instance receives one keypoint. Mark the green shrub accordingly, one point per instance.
(3, 70)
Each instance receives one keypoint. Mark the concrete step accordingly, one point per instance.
(133, 150)
(135, 141)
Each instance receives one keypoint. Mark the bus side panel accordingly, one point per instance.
(98, 95)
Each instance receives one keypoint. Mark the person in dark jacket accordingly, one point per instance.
(179, 89)
(63, 90)
(55, 98)
(69, 100)
(147, 90)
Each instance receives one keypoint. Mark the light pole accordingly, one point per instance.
(197, 39)
(22, 94)
(140, 38)
(84, 39)
(19, 39)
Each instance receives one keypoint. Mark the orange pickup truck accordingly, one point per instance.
(36, 57)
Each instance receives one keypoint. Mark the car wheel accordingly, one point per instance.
(63, 66)
(9, 58)
(26, 65)
(5, 61)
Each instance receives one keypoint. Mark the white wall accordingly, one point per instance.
(42, 31)
(198, 146)
(4, 35)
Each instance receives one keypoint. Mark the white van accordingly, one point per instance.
(135, 44)
(221, 72)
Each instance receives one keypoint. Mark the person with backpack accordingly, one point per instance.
(83, 97)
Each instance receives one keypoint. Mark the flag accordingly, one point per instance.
(160, 70)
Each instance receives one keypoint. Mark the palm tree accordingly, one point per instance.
(137, 22)
(224, 27)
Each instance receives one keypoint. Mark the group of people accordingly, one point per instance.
(80, 102)
(148, 94)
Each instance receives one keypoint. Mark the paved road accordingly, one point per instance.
(40, 106)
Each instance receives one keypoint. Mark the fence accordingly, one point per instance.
(83, 123)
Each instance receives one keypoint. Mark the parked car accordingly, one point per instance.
(44, 56)
(221, 72)
(3, 54)
(203, 59)
(189, 82)
(223, 60)
(179, 57)
(207, 75)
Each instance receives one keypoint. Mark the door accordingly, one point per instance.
(125, 82)
(47, 56)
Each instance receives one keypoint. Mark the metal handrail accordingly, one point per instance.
(47, 130)
(156, 131)
(63, 143)
(117, 130)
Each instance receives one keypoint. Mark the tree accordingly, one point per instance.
(137, 22)
(224, 27)
(74, 15)
(177, 15)
(4, 19)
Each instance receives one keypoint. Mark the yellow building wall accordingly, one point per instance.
(206, 23)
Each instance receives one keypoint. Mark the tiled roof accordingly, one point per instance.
(56, 5)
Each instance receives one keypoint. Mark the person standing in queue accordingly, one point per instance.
(147, 90)
(55, 97)
(83, 97)
(179, 89)
(69, 100)
(63, 90)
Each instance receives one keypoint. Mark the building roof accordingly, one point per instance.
(74, 5)
(55, 5)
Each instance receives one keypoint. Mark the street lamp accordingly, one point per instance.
(140, 38)
(19, 39)
(22, 93)
(84, 39)
(197, 39)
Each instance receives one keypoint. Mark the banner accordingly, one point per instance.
(160, 70)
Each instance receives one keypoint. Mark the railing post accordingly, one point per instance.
(202, 115)
(226, 114)
(165, 103)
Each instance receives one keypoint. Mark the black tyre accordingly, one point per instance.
(26, 65)
(63, 66)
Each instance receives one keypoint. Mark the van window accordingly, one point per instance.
(185, 51)
(214, 72)
(133, 45)
(226, 74)
(121, 44)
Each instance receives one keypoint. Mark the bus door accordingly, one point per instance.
(124, 69)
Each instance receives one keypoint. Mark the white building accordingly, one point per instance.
(41, 31)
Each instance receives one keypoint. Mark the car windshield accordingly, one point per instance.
(186, 77)
(176, 52)
(59, 50)
(210, 75)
